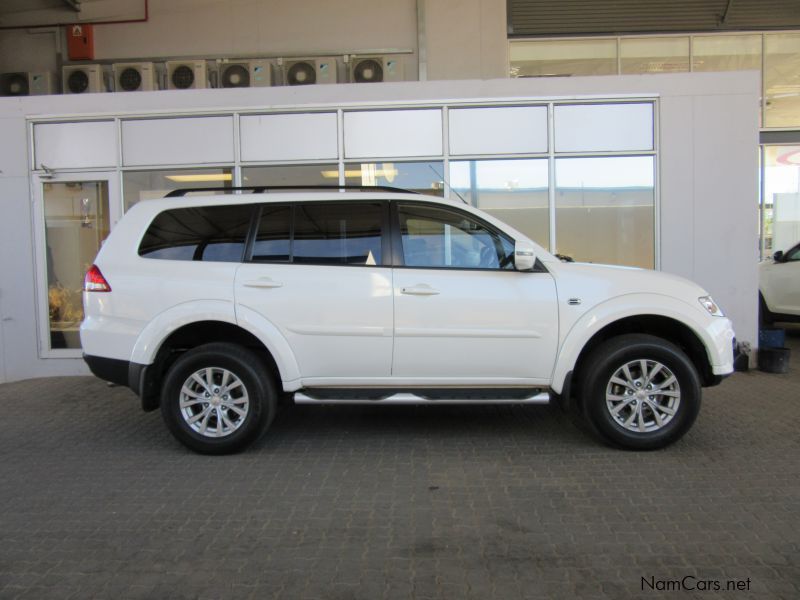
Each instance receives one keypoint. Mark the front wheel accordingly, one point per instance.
(218, 398)
(640, 392)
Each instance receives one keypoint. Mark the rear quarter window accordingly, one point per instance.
(207, 233)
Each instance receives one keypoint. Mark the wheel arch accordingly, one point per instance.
(667, 325)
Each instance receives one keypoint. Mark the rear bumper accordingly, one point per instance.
(139, 378)
(109, 369)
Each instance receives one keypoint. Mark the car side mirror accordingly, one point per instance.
(778, 256)
(524, 256)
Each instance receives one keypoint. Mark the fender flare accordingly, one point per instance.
(622, 307)
(166, 323)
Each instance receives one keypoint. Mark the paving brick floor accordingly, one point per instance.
(98, 501)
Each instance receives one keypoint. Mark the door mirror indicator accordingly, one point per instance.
(524, 256)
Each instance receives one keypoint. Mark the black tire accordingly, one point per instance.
(603, 364)
(256, 382)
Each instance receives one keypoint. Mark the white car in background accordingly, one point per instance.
(779, 286)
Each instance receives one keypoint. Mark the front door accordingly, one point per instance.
(463, 315)
(317, 274)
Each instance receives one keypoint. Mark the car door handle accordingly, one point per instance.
(419, 290)
(262, 282)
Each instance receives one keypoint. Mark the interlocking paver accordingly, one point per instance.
(98, 501)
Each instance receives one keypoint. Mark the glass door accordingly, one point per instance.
(781, 201)
(74, 214)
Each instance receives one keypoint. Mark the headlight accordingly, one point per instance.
(711, 306)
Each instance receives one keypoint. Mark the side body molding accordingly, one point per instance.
(712, 331)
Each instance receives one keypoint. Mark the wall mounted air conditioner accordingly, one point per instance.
(245, 73)
(309, 71)
(82, 79)
(372, 69)
(26, 84)
(186, 74)
(134, 77)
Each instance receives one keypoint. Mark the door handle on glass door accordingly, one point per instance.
(420, 289)
(262, 282)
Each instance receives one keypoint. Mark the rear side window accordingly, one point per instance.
(341, 233)
(326, 233)
(207, 233)
(273, 238)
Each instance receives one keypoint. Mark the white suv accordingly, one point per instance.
(215, 307)
(779, 287)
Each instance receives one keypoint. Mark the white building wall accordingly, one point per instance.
(465, 39)
(708, 137)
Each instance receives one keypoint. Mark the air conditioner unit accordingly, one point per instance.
(186, 74)
(372, 69)
(134, 77)
(245, 73)
(26, 84)
(82, 79)
(309, 71)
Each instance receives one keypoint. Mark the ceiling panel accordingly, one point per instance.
(41, 13)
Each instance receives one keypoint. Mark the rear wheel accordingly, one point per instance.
(218, 398)
(640, 392)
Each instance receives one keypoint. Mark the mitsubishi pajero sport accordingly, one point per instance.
(214, 307)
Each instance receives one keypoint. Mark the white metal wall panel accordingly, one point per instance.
(309, 136)
(390, 133)
(604, 127)
(91, 144)
(507, 130)
(177, 141)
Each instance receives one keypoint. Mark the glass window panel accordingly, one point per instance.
(782, 80)
(781, 197)
(148, 185)
(76, 223)
(423, 177)
(327, 174)
(554, 58)
(274, 230)
(437, 237)
(604, 209)
(514, 191)
(654, 55)
(209, 233)
(343, 233)
(726, 52)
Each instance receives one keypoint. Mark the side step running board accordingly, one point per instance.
(409, 398)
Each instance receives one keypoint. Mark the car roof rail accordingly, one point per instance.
(261, 189)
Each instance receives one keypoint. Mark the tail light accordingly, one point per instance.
(94, 281)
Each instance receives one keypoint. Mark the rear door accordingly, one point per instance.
(463, 314)
(316, 272)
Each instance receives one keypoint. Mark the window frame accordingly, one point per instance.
(386, 246)
(397, 239)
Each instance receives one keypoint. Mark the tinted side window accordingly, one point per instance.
(209, 233)
(438, 237)
(273, 236)
(338, 233)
